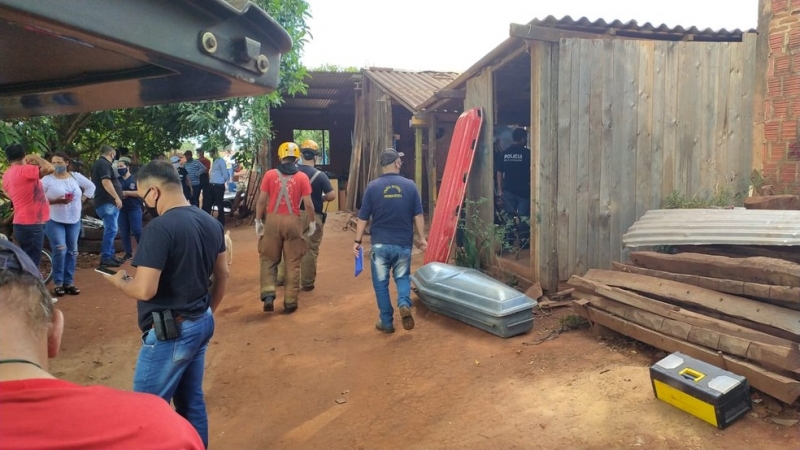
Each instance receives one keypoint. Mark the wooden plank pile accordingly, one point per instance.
(740, 313)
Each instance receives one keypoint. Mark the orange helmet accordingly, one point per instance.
(288, 149)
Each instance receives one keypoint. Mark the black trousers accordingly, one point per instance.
(215, 196)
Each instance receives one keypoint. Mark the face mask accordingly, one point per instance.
(122, 172)
(61, 169)
(152, 210)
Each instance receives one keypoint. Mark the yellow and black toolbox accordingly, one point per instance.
(707, 392)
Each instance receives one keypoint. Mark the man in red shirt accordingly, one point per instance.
(22, 182)
(38, 411)
(282, 189)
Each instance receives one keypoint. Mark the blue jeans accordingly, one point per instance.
(30, 238)
(397, 259)
(63, 239)
(173, 370)
(130, 224)
(109, 214)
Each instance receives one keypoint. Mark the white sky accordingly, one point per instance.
(448, 35)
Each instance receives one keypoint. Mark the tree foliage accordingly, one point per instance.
(154, 130)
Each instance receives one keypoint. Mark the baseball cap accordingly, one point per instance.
(125, 159)
(13, 258)
(389, 156)
(175, 160)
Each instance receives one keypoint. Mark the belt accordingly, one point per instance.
(178, 319)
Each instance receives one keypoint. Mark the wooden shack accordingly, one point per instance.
(385, 101)
(620, 116)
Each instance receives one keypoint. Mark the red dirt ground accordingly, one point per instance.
(272, 381)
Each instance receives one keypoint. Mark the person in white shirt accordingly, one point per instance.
(65, 192)
(218, 177)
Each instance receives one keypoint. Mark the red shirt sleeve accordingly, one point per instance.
(30, 172)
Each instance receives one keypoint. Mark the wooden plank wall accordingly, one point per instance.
(480, 93)
(638, 120)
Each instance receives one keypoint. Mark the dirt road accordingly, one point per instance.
(272, 381)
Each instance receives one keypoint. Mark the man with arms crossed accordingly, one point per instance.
(180, 250)
(395, 207)
(38, 411)
(107, 203)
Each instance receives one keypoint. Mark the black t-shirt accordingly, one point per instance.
(320, 185)
(184, 244)
(102, 170)
(517, 169)
(130, 203)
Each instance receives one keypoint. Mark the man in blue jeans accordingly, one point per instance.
(393, 203)
(181, 254)
(107, 203)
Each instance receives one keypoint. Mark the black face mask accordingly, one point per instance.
(152, 210)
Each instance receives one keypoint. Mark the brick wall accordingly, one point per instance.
(781, 146)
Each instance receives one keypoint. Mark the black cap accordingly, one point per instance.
(389, 156)
(14, 259)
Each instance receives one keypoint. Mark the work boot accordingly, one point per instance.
(308, 288)
(408, 319)
(269, 302)
(288, 309)
(385, 328)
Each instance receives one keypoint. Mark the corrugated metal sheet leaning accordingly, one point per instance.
(714, 226)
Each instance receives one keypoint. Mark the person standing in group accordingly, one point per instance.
(85, 417)
(281, 237)
(178, 163)
(130, 216)
(107, 203)
(132, 165)
(181, 275)
(321, 191)
(514, 181)
(393, 203)
(195, 169)
(205, 176)
(215, 194)
(66, 193)
(22, 182)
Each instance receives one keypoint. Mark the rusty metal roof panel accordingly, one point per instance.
(645, 31)
(410, 88)
(714, 226)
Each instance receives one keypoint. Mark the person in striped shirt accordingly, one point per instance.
(194, 168)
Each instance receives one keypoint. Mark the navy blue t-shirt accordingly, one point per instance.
(130, 203)
(184, 244)
(392, 201)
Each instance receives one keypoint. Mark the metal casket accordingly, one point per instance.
(471, 297)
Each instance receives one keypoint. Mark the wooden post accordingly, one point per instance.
(480, 92)
(759, 86)
(544, 164)
(431, 165)
(418, 158)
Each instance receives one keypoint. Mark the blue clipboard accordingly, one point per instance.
(360, 261)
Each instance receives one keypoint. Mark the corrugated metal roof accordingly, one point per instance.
(407, 87)
(714, 226)
(630, 29)
(325, 90)
(646, 31)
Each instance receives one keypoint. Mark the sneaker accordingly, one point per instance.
(408, 319)
(269, 302)
(127, 257)
(290, 309)
(119, 260)
(109, 263)
(388, 329)
(308, 288)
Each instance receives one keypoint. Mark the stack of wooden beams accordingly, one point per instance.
(739, 313)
